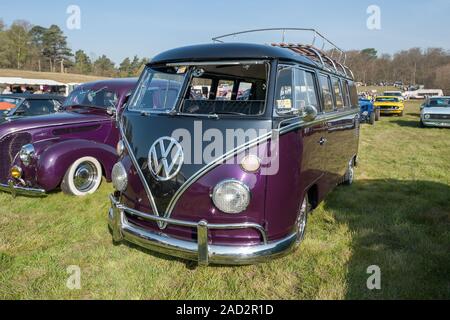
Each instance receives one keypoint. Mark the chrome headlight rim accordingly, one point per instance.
(26, 154)
(426, 116)
(119, 177)
(246, 191)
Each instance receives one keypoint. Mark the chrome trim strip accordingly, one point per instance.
(321, 118)
(214, 63)
(138, 170)
(49, 126)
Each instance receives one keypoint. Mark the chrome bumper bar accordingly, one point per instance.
(19, 190)
(200, 251)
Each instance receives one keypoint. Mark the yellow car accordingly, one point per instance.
(390, 105)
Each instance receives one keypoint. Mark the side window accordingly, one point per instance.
(38, 107)
(305, 91)
(353, 94)
(338, 93)
(327, 97)
(284, 93)
(348, 101)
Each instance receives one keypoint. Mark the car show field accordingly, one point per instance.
(396, 216)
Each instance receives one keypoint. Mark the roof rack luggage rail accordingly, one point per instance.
(310, 50)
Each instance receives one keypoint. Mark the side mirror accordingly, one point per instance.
(310, 113)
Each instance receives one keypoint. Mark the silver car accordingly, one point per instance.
(435, 112)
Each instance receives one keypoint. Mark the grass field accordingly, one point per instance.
(396, 216)
(60, 77)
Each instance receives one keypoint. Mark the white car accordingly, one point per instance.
(397, 94)
(435, 112)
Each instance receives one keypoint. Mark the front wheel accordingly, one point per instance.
(302, 219)
(83, 177)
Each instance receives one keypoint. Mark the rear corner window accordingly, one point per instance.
(338, 94)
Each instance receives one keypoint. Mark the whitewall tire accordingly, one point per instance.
(83, 177)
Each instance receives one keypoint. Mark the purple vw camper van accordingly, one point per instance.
(226, 148)
(72, 149)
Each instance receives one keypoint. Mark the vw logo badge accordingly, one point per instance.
(165, 158)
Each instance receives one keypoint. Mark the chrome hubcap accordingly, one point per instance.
(85, 177)
(302, 220)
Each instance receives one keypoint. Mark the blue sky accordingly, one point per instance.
(125, 28)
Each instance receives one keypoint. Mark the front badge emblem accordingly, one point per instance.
(165, 158)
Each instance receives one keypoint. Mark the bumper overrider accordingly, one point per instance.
(201, 251)
(17, 189)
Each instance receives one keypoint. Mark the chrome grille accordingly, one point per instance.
(9, 147)
(440, 116)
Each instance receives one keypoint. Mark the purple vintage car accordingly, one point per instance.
(72, 149)
(230, 178)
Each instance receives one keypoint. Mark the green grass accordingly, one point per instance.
(396, 216)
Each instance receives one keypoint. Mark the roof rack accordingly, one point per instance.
(312, 51)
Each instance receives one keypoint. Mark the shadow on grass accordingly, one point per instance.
(407, 123)
(402, 227)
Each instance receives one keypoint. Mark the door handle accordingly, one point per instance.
(323, 141)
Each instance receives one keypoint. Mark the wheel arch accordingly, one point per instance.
(57, 159)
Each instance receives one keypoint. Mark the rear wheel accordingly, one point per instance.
(372, 118)
(302, 219)
(83, 177)
(377, 115)
(350, 174)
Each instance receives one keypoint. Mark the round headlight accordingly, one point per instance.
(26, 154)
(119, 177)
(120, 148)
(231, 196)
(427, 116)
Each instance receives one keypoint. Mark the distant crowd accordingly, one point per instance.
(26, 90)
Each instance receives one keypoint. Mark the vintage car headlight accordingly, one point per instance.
(231, 196)
(119, 177)
(120, 148)
(427, 116)
(26, 154)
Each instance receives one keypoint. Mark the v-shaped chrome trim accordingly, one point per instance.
(141, 175)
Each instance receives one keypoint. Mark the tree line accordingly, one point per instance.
(30, 47)
(416, 66)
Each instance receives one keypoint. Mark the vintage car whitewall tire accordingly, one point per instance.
(83, 177)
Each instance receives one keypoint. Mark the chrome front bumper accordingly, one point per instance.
(15, 190)
(201, 251)
(436, 123)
